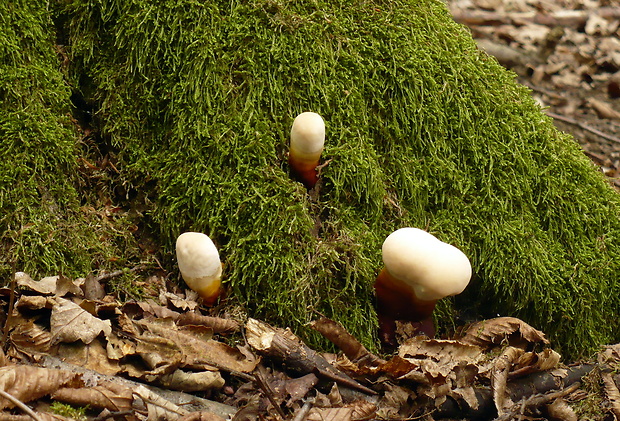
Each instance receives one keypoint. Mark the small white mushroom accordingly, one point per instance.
(307, 141)
(199, 264)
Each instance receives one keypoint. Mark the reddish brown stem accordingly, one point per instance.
(397, 301)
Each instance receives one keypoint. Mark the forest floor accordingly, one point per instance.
(86, 356)
(568, 53)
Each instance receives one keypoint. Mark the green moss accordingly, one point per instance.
(47, 225)
(423, 129)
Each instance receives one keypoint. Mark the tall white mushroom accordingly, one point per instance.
(307, 141)
(419, 270)
(199, 264)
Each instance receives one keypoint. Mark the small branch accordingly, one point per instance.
(20, 405)
(261, 380)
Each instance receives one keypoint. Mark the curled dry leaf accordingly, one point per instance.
(612, 392)
(489, 333)
(198, 349)
(438, 358)
(330, 414)
(192, 381)
(560, 410)
(499, 378)
(107, 395)
(30, 337)
(218, 324)
(347, 343)
(27, 383)
(45, 286)
(70, 323)
(154, 407)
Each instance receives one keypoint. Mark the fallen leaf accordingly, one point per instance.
(490, 333)
(28, 383)
(107, 395)
(192, 381)
(70, 323)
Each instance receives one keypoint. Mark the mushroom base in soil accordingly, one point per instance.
(419, 270)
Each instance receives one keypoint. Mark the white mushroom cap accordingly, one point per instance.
(308, 135)
(199, 263)
(432, 268)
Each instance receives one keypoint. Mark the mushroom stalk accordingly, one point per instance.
(199, 264)
(419, 270)
(307, 141)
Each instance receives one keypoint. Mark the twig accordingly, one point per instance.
(116, 273)
(20, 405)
(536, 401)
(303, 411)
(262, 383)
(583, 126)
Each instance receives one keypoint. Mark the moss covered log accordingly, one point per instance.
(197, 99)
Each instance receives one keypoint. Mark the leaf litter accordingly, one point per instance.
(171, 360)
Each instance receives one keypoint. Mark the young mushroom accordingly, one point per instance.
(418, 271)
(199, 264)
(307, 140)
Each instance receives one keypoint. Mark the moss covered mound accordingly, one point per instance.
(423, 130)
(48, 224)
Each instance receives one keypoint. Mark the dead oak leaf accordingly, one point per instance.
(489, 333)
(70, 323)
(27, 383)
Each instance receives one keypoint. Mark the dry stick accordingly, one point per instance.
(20, 405)
(303, 411)
(262, 383)
(536, 401)
(583, 126)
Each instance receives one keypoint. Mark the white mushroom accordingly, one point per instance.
(432, 268)
(199, 264)
(307, 141)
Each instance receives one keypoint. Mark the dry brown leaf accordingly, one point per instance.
(45, 286)
(438, 358)
(502, 330)
(299, 387)
(603, 110)
(33, 302)
(612, 392)
(155, 407)
(559, 409)
(499, 378)
(107, 395)
(347, 343)
(27, 383)
(70, 323)
(198, 351)
(330, 414)
(192, 381)
(42, 416)
(29, 337)
(217, 324)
